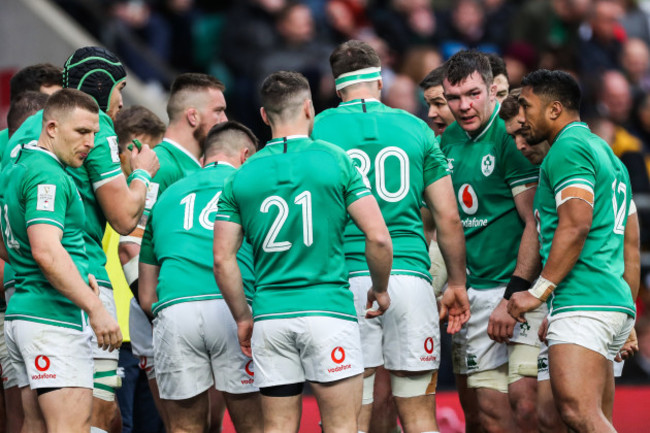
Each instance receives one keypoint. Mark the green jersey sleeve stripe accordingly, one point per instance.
(49, 221)
(113, 174)
(524, 180)
(46, 321)
(576, 180)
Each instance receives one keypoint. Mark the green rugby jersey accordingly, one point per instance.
(175, 163)
(400, 156)
(291, 199)
(179, 236)
(100, 167)
(9, 283)
(4, 140)
(38, 190)
(581, 159)
(485, 169)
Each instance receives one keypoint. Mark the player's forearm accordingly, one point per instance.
(632, 255)
(148, 281)
(229, 281)
(529, 261)
(451, 240)
(59, 269)
(132, 208)
(566, 247)
(379, 256)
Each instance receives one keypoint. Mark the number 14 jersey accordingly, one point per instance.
(581, 161)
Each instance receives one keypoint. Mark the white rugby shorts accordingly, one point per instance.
(313, 348)
(46, 356)
(194, 342)
(7, 371)
(543, 366)
(407, 335)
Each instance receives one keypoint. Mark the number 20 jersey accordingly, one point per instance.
(291, 199)
(580, 159)
(400, 155)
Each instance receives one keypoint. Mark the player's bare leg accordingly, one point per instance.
(469, 403)
(245, 411)
(578, 378)
(384, 412)
(417, 413)
(104, 414)
(494, 410)
(188, 415)
(282, 414)
(153, 386)
(217, 410)
(339, 404)
(67, 410)
(523, 402)
(14, 409)
(608, 395)
(547, 414)
(33, 421)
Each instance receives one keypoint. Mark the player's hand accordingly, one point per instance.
(630, 347)
(543, 330)
(145, 159)
(383, 302)
(501, 325)
(244, 334)
(454, 306)
(92, 282)
(520, 303)
(106, 328)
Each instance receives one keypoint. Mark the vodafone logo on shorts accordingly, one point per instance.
(338, 356)
(468, 199)
(42, 364)
(428, 347)
(249, 371)
(144, 364)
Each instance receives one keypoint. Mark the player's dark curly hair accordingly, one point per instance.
(464, 63)
(556, 86)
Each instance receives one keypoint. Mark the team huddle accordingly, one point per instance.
(330, 254)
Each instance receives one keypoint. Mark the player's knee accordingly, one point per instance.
(522, 362)
(414, 385)
(106, 379)
(368, 389)
(572, 413)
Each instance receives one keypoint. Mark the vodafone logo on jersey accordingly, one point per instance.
(468, 199)
(42, 363)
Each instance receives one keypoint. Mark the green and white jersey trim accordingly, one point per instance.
(486, 128)
(518, 182)
(44, 221)
(365, 273)
(46, 321)
(107, 177)
(620, 309)
(182, 150)
(291, 314)
(284, 140)
(171, 302)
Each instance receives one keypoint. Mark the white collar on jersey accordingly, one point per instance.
(32, 145)
(182, 149)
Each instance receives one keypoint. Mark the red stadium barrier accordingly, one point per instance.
(631, 414)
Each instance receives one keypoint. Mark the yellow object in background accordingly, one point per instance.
(121, 291)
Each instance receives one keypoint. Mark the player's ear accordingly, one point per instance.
(192, 115)
(265, 118)
(308, 107)
(51, 127)
(555, 110)
(244, 154)
(380, 84)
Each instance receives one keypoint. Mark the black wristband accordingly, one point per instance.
(516, 284)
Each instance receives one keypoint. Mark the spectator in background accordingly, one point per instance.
(347, 20)
(419, 60)
(403, 94)
(520, 59)
(635, 60)
(635, 20)
(465, 28)
(601, 45)
(299, 49)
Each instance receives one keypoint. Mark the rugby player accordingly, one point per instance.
(400, 156)
(43, 225)
(495, 186)
(192, 356)
(582, 205)
(196, 103)
(434, 94)
(104, 190)
(291, 201)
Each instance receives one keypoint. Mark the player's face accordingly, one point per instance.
(115, 101)
(471, 101)
(75, 136)
(532, 116)
(439, 111)
(534, 153)
(211, 111)
(502, 87)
